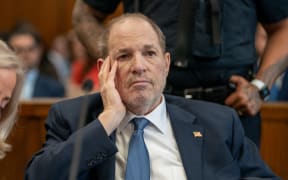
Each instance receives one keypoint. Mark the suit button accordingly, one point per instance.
(99, 157)
(92, 163)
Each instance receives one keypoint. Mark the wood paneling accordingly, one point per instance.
(26, 138)
(274, 143)
(29, 135)
(50, 17)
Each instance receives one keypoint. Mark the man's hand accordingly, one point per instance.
(114, 109)
(246, 99)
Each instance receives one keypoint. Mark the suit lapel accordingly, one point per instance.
(189, 138)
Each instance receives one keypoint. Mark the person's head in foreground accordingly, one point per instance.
(11, 79)
(136, 45)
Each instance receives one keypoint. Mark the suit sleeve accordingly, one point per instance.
(247, 155)
(53, 161)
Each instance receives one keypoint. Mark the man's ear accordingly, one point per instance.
(100, 61)
(167, 57)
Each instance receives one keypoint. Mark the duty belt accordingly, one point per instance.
(216, 94)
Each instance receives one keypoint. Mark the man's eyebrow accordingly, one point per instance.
(152, 47)
(123, 50)
(145, 47)
(149, 46)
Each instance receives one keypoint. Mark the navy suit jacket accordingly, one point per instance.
(222, 153)
(283, 94)
(47, 87)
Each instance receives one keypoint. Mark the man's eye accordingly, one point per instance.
(150, 53)
(123, 57)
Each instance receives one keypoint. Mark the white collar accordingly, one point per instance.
(157, 117)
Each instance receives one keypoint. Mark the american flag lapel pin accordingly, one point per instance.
(197, 134)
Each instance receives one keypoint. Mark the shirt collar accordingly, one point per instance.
(158, 117)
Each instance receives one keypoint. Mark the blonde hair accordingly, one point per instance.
(9, 60)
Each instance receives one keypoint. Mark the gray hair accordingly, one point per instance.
(9, 60)
(103, 41)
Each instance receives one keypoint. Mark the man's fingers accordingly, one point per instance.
(242, 105)
(237, 80)
(232, 99)
(104, 70)
(112, 72)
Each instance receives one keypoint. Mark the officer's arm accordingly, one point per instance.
(275, 56)
(88, 24)
(246, 99)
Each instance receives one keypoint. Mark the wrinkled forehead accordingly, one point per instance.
(129, 23)
(132, 31)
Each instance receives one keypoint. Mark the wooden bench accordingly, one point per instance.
(274, 139)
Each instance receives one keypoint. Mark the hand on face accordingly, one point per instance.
(114, 109)
(142, 67)
(246, 99)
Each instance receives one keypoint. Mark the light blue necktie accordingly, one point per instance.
(138, 164)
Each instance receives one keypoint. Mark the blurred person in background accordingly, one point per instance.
(27, 43)
(11, 80)
(59, 57)
(83, 66)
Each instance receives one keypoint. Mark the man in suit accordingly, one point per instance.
(27, 44)
(184, 139)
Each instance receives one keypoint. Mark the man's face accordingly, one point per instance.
(142, 64)
(25, 47)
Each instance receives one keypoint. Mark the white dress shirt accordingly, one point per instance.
(165, 160)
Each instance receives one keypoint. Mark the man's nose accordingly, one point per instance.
(138, 63)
